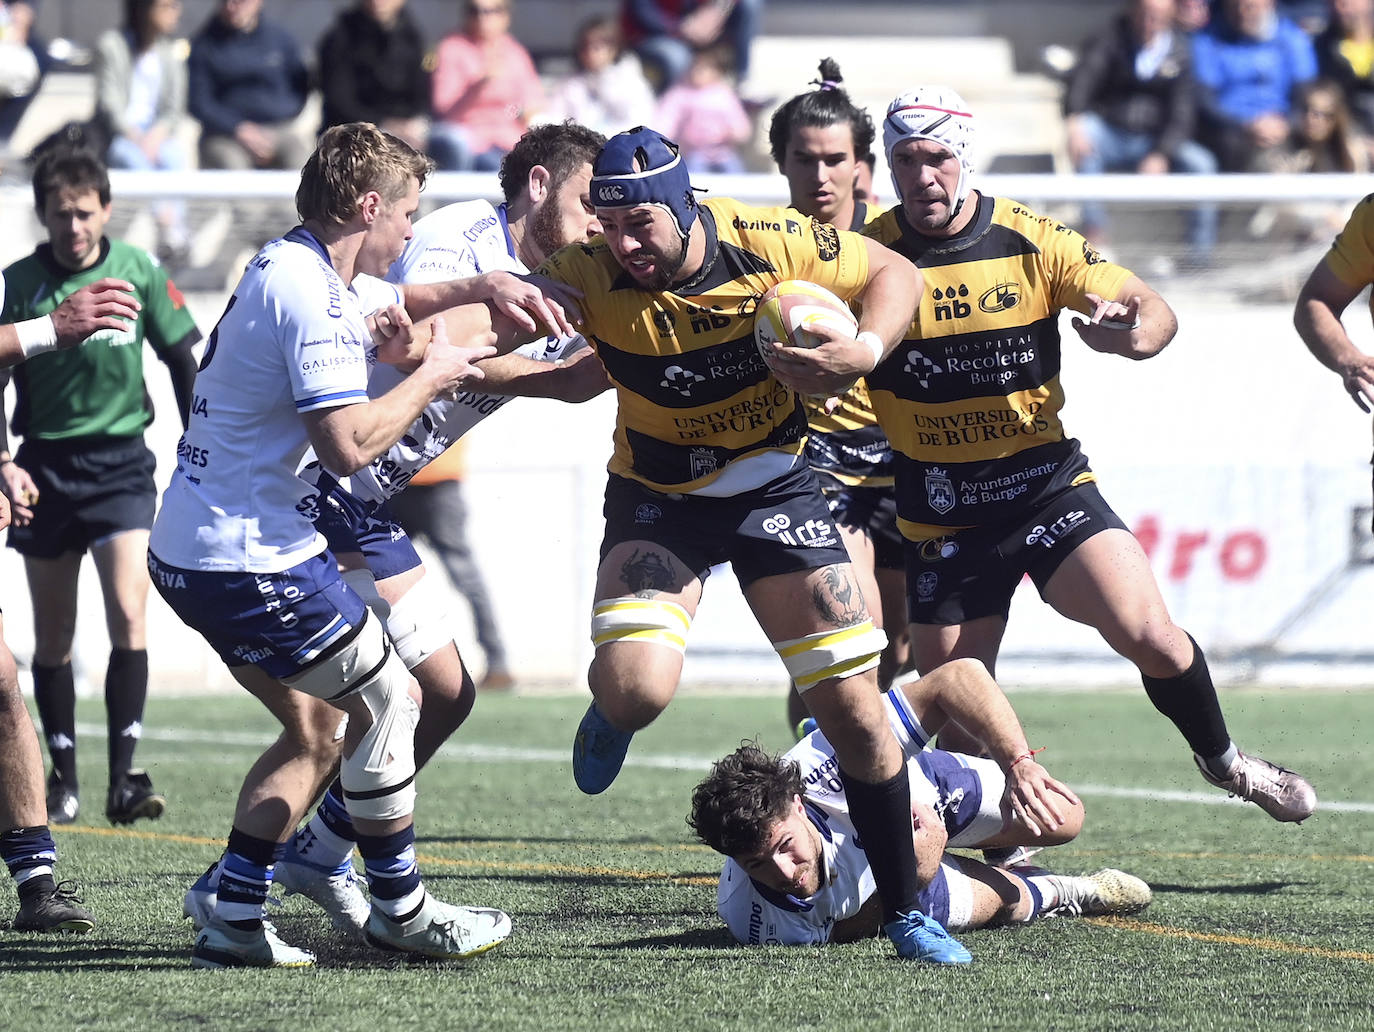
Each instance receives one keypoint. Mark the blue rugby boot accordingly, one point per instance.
(918, 937)
(598, 752)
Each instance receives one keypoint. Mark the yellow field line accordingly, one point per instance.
(1132, 925)
(706, 881)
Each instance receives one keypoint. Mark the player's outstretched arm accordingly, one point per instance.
(1137, 323)
(349, 437)
(535, 305)
(107, 304)
(577, 378)
(964, 691)
(1317, 317)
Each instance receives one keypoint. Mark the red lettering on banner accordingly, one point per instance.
(1240, 556)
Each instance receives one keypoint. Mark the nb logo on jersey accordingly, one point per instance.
(610, 193)
(1000, 298)
(953, 306)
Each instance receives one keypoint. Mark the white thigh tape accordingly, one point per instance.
(826, 654)
(628, 618)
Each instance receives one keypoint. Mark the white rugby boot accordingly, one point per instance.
(440, 930)
(220, 946)
(1281, 793)
(337, 892)
(1108, 891)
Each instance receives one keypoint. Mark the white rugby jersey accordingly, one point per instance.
(757, 915)
(293, 339)
(457, 241)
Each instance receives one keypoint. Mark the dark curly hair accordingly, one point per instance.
(827, 105)
(68, 167)
(736, 805)
(561, 147)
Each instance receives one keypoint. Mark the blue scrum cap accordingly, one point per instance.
(638, 167)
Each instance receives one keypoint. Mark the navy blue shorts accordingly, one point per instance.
(88, 490)
(280, 622)
(783, 527)
(973, 573)
(873, 512)
(350, 526)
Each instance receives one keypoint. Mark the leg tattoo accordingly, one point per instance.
(648, 573)
(837, 598)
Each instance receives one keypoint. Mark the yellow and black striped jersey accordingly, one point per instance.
(694, 396)
(847, 444)
(1351, 258)
(971, 397)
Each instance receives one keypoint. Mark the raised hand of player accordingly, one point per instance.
(20, 490)
(453, 367)
(106, 304)
(1034, 798)
(828, 369)
(1109, 326)
(535, 303)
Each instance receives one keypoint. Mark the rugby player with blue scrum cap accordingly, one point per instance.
(797, 874)
(708, 468)
(990, 486)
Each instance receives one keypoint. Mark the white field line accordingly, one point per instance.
(514, 754)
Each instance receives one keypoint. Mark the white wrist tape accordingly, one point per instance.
(876, 343)
(36, 335)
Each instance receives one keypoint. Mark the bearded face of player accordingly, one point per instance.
(645, 243)
(565, 215)
(820, 167)
(388, 232)
(75, 221)
(927, 174)
(790, 861)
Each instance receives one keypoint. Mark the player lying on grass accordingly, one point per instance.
(797, 875)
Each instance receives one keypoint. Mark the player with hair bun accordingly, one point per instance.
(819, 140)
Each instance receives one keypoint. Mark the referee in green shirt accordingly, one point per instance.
(83, 478)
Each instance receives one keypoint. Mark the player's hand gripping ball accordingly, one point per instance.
(786, 314)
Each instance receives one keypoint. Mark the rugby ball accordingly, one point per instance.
(786, 314)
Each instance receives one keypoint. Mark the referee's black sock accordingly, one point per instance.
(881, 815)
(55, 693)
(1190, 701)
(126, 693)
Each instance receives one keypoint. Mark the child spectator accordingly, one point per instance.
(704, 114)
(372, 69)
(608, 92)
(485, 91)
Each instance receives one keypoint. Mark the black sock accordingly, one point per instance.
(55, 693)
(1190, 701)
(881, 815)
(126, 692)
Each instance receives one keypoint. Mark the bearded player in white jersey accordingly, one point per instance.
(797, 874)
(235, 553)
(545, 182)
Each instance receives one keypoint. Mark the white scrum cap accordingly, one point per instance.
(933, 113)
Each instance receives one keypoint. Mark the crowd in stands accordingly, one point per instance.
(1191, 86)
(1230, 86)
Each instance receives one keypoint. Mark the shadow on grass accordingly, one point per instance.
(693, 938)
(1252, 889)
(53, 952)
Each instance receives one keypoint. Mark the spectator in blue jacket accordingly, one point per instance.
(1248, 61)
(247, 86)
